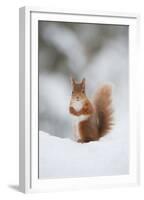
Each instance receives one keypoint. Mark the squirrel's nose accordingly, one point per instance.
(77, 98)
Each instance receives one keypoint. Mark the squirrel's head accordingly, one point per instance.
(78, 90)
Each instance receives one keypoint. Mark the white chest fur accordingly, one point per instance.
(77, 105)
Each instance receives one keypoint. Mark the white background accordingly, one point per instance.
(9, 96)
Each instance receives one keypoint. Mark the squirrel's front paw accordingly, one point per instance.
(73, 111)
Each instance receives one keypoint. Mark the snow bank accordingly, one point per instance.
(63, 157)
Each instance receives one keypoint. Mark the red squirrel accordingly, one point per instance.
(93, 119)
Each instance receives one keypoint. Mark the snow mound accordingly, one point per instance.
(63, 157)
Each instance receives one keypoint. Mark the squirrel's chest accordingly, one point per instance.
(77, 105)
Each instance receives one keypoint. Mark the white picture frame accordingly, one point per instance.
(28, 176)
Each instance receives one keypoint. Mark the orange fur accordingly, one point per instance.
(102, 103)
(98, 115)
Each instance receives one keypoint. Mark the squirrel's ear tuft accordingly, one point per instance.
(83, 81)
(83, 84)
(72, 81)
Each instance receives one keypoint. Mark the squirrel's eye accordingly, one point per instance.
(83, 91)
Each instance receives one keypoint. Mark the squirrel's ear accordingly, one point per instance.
(83, 81)
(72, 81)
(83, 84)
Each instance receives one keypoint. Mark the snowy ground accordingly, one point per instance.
(63, 157)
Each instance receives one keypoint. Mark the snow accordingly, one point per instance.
(63, 157)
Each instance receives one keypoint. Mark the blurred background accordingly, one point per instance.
(94, 51)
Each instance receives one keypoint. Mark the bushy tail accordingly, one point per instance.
(102, 102)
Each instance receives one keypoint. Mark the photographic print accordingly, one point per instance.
(83, 99)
